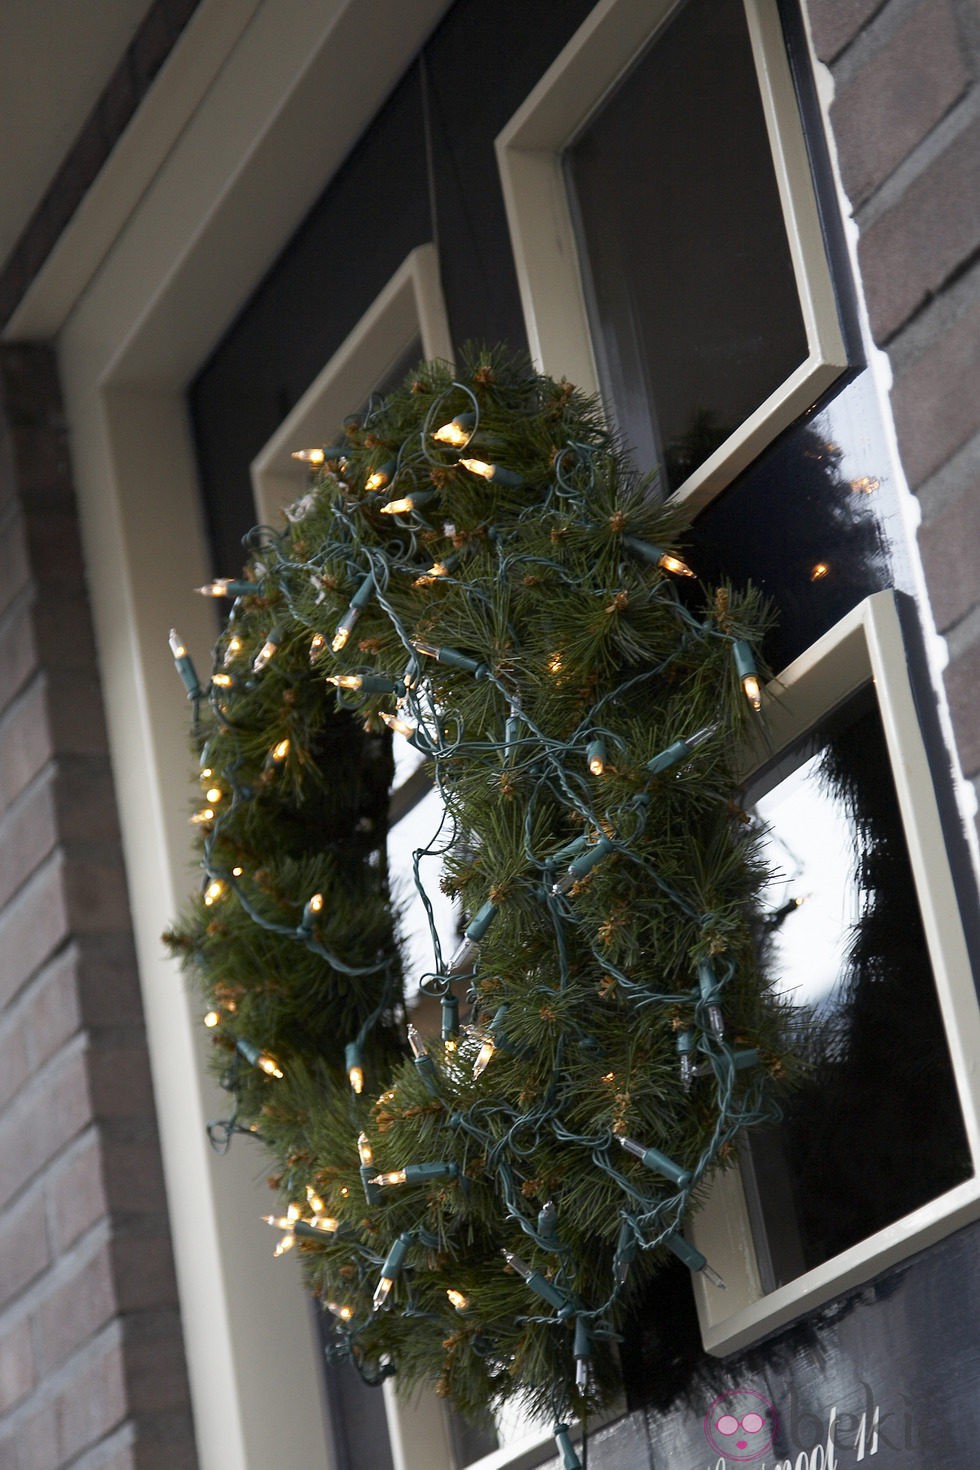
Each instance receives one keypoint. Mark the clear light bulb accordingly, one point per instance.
(309, 456)
(455, 434)
(364, 1149)
(265, 653)
(483, 1057)
(478, 467)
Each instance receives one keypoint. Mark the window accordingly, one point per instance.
(407, 321)
(877, 1154)
(645, 282)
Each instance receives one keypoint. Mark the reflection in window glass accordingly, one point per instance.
(694, 306)
(874, 1129)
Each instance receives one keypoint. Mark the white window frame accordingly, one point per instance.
(529, 155)
(410, 307)
(866, 647)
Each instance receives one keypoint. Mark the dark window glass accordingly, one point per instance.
(696, 317)
(874, 1128)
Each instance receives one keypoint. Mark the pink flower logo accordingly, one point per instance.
(740, 1424)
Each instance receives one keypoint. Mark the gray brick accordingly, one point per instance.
(897, 97)
(909, 251)
(835, 23)
(934, 412)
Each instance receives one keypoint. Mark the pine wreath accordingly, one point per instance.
(478, 566)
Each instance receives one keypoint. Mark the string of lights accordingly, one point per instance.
(477, 568)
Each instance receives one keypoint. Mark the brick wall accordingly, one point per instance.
(906, 117)
(92, 1370)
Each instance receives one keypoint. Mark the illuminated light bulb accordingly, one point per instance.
(365, 683)
(201, 818)
(206, 773)
(378, 479)
(538, 1283)
(405, 504)
(233, 649)
(555, 664)
(393, 1176)
(669, 561)
(309, 456)
(458, 432)
(391, 1269)
(212, 1019)
(279, 751)
(214, 794)
(184, 666)
(313, 906)
(222, 681)
(492, 472)
(213, 892)
(354, 1066)
(237, 872)
(819, 570)
(344, 1313)
(398, 725)
(652, 1158)
(285, 1244)
(364, 1149)
(267, 651)
(595, 756)
(356, 606)
(227, 587)
(315, 1202)
(366, 1154)
(293, 1213)
(484, 1056)
(458, 1300)
(675, 564)
(417, 1173)
(866, 484)
(258, 1058)
(438, 570)
(317, 643)
(692, 1258)
(747, 672)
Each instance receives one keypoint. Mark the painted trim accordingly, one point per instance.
(865, 647)
(529, 151)
(288, 97)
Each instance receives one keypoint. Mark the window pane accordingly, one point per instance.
(695, 314)
(874, 1129)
